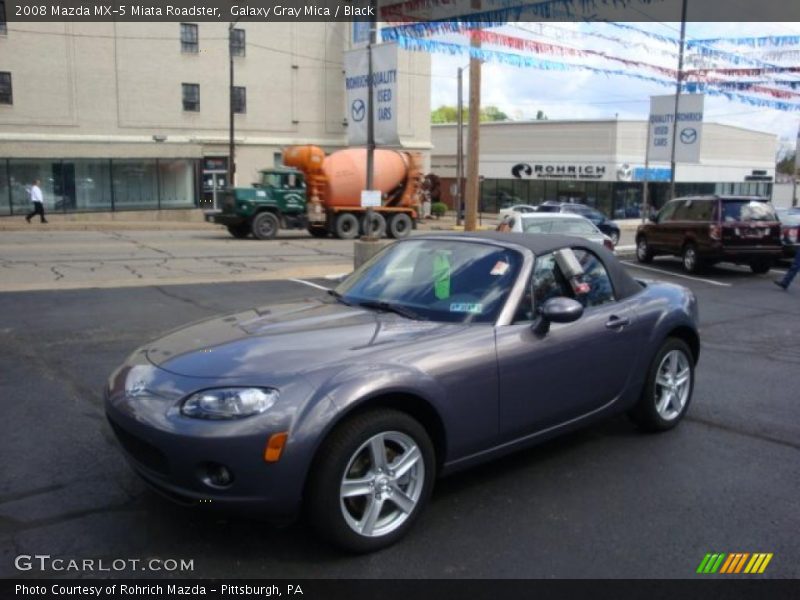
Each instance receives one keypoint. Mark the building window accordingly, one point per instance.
(189, 41)
(237, 42)
(3, 28)
(6, 97)
(239, 99)
(191, 97)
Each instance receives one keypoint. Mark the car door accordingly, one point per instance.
(574, 369)
(658, 234)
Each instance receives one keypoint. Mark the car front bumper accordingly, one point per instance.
(221, 218)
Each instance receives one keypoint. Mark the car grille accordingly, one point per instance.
(142, 452)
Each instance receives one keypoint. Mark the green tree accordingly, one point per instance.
(449, 114)
(786, 164)
(540, 116)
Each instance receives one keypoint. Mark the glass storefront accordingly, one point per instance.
(84, 185)
(618, 200)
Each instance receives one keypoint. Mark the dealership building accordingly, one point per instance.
(134, 116)
(601, 163)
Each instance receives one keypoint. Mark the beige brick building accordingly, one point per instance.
(114, 116)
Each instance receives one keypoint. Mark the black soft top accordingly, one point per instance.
(545, 243)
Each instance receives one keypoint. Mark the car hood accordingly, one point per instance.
(285, 340)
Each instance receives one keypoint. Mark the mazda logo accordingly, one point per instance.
(358, 110)
(688, 135)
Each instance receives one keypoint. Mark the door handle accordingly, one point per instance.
(617, 322)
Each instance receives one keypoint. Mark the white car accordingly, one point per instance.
(517, 209)
(560, 223)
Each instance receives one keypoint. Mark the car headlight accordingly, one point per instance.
(229, 403)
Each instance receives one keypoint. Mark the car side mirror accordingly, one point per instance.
(558, 310)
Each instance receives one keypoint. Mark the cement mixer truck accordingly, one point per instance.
(323, 195)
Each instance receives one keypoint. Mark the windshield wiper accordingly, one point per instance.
(399, 309)
(339, 297)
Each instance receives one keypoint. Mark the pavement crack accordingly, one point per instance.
(191, 301)
(749, 434)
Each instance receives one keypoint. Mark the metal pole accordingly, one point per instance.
(645, 199)
(231, 145)
(678, 86)
(473, 140)
(373, 37)
(460, 149)
(796, 168)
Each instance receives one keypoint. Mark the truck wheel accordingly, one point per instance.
(761, 266)
(318, 232)
(378, 227)
(399, 226)
(265, 226)
(239, 231)
(346, 226)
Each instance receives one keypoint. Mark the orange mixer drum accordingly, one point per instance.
(346, 171)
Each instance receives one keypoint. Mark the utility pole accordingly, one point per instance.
(460, 148)
(646, 183)
(796, 168)
(678, 86)
(231, 145)
(473, 135)
(373, 38)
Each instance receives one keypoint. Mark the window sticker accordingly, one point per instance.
(500, 268)
(466, 307)
(441, 275)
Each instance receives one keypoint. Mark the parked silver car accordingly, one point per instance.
(559, 223)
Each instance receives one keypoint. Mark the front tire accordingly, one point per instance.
(691, 262)
(643, 252)
(265, 226)
(370, 480)
(614, 235)
(668, 389)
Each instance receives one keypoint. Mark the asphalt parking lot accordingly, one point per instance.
(604, 502)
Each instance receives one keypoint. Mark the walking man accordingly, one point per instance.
(38, 202)
(793, 270)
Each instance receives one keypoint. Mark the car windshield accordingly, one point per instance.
(436, 280)
(747, 210)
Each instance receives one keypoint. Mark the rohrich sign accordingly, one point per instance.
(558, 171)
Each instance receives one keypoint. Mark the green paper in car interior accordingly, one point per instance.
(441, 275)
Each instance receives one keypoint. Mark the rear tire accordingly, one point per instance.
(239, 231)
(759, 267)
(643, 252)
(357, 496)
(346, 226)
(378, 228)
(668, 389)
(265, 226)
(614, 235)
(399, 226)
(691, 262)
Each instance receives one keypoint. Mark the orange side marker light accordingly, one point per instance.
(274, 448)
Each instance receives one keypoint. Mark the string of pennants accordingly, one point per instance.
(527, 61)
(725, 81)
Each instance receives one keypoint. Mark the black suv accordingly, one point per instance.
(708, 229)
(603, 223)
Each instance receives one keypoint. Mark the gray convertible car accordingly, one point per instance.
(442, 352)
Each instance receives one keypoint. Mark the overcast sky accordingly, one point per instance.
(520, 92)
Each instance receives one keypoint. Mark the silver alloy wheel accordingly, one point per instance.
(689, 259)
(641, 249)
(673, 382)
(614, 238)
(382, 484)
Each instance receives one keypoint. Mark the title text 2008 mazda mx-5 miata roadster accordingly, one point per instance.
(441, 352)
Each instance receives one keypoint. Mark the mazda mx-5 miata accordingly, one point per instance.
(441, 352)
